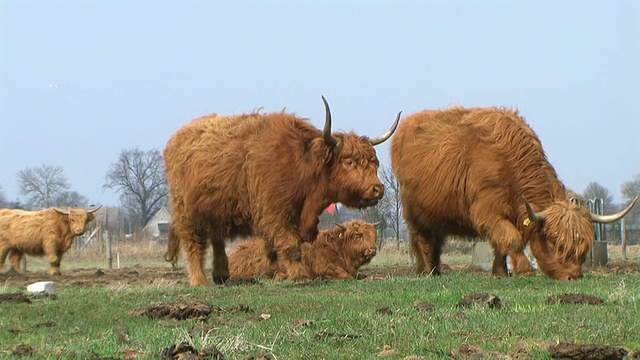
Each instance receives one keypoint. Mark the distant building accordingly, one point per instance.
(158, 222)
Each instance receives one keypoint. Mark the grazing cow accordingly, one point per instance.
(483, 172)
(47, 232)
(269, 175)
(337, 253)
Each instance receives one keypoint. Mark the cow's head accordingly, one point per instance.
(354, 164)
(77, 219)
(357, 241)
(565, 237)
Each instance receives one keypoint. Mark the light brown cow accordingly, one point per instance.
(468, 171)
(47, 232)
(269, 175)
(337, 253)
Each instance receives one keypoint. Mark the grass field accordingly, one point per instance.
(391, 314)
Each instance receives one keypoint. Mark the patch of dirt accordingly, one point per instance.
(166, 275)
(14, 298)
(423, 305)
(570, 351)
(470, 351)
(178, 310)
(184, 351)
(481, 299)
(99, 277)
(23, 350)
(384, 311)
(575, 299)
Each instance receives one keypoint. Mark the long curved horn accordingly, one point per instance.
(94, 210)
(605, 219)
(329, 139)
(341, 226)
(60, 211)
(382, 138)
(376, 223)
(534, 216)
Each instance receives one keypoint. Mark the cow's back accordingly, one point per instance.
(26, 230)
(447, 159)
(216, 163)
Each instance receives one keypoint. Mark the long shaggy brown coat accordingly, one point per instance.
(47, 232)
(269, 175)
(337, 253)
(465, 171)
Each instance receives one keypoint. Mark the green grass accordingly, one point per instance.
(85, 321)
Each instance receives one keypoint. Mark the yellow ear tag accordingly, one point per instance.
(340, 235)
(526, 222)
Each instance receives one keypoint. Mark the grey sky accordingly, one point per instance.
(81, 81)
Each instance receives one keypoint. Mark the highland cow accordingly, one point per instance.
(483, 172)
(269, 175)
(337, 253)
(47, 232)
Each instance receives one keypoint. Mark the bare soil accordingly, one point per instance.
(167, 275)
(569, 351)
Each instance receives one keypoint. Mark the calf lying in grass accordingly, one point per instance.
(336, 253)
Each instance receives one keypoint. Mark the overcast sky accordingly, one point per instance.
(80, 81)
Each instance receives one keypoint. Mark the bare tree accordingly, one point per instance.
(630, 190)
(3, 199)
(391, 205)
(71, 199)
(42, 185)
(139, 178)
(597, 191)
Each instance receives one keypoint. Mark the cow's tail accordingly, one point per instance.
(173, 248)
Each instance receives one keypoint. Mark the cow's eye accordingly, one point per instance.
(348, 162)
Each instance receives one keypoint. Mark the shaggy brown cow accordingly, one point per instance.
(269, 175)
(337, 253)
(47, 232)
(470, 171)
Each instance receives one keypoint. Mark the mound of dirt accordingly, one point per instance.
(23, 350)
(481, 299)
(185, 350)
(179, 310)
(575, 299)
(569, 351)
(14, 298)
(423, 305)
(472, 351)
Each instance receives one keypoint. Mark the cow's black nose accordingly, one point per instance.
(378, 191)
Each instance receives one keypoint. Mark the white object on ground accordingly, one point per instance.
(42, 287)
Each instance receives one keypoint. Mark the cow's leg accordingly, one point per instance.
(54, 262)
(16, 260)
(521, 264)
(333, 272)
(220, 260)
(287, 245)
(499, 263)
(4, 251)
(173, 247)
(194, 244)
(427, 248)
(507, 240)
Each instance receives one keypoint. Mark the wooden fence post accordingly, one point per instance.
(623, 239)
(107, 240)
